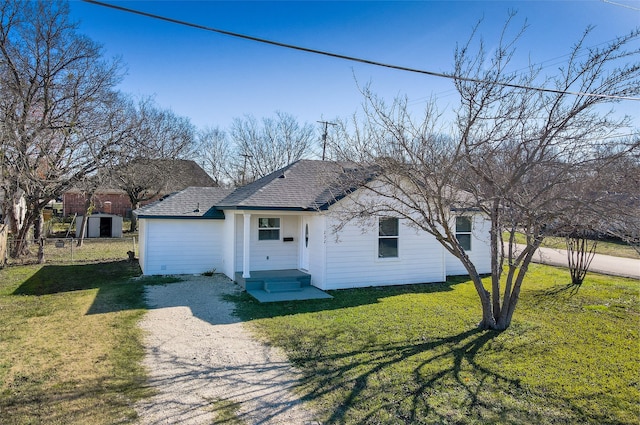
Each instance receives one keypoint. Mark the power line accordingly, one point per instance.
(349, 58)
(621, 5)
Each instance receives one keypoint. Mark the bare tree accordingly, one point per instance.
(514, 155)
(620, 180)
(581, 249)
(143, 179)
(56, 107)
(610, 207)
(159, 133)
(263, 147)
(143, 168)
(215, 152)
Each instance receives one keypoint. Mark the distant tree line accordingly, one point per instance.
(253, 148)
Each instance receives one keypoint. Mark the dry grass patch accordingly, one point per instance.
(65, 251)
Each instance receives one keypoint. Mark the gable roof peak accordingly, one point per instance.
(302, 185)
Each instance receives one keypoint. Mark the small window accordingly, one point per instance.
(463, 232)
(268, 229)
(387, 237)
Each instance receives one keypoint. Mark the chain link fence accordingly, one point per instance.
(66, 250)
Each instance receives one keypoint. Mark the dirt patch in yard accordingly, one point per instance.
(202, 360)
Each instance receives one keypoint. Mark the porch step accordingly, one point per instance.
(282, 286)
(267, 278)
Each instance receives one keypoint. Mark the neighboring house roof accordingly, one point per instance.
(184, 173)
(302, 185)
(179, 173)
(192, 202)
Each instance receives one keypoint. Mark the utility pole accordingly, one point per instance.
(324, 136)
(244, 167)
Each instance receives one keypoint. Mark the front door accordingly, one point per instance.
(304, 256)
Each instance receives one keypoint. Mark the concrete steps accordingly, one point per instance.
(289, 285)
(275, 280)
(280, 285)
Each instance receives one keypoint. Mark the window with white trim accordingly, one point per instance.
(268, 229)
(463, 232)
(388, 237)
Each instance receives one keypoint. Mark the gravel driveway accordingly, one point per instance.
(198, 354)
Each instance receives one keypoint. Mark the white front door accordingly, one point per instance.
(304, 239)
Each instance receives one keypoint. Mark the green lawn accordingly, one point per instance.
(413, 355)
(70, 348)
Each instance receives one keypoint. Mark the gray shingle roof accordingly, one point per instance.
(305, 185)
(192, 202)
(302, 185)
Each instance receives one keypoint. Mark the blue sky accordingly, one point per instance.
(213, 78)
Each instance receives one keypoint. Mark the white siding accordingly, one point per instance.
(142, 243)
(239, 237)
(317, 250)
(352, 260)
(228, 249)
(182, 246)
(269, 255)
(480, 253)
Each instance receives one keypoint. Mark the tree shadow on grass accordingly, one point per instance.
(443, 380)
(248, 308)
(116, 292)
(570, 289)
(557, 295)
(72, 401)
(361, 373)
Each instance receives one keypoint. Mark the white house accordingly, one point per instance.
(284, 225)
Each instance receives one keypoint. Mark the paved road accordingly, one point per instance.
(605, 264)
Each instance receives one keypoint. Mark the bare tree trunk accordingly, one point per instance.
(41, 251)
(496, 263)
(518, 267)
(580, 253)
(89, 207)
(507, 315)
(133, 226)
(488, 318)
(21, 238)
(83, 229)
(38, 227)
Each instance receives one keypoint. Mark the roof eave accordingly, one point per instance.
(181, 217)
(262, 208)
